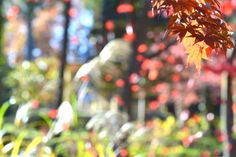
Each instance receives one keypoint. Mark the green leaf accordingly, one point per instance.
(3, 110)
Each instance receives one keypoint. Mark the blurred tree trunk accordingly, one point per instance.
(227, 115)
(1, 31)
(3, 64)
(63, 53)
(139, 22)
(30, 38)
(30, 42)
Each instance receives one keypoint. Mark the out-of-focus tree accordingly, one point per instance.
(26, 10)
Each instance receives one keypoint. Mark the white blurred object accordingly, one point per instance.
(63, 120)
(112, 60)
(116, 51)
(95, 121)
(142, 134)
(91, 70)
(125, 131)
(22, 114)
(184, 115)
(90, 101)
(64, 117)
(107, 124)
(7, 147)
(127, 127)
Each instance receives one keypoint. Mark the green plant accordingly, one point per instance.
(34, 80)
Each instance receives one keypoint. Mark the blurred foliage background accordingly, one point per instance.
(127, 89)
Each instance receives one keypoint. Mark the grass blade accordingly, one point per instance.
(36, 141)
(3, 110)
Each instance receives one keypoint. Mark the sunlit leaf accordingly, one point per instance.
(201, 23)
(196, 51)
(18, 143)
(32, 146)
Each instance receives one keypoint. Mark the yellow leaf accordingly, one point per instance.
(32, 146)
(202, 1)
(18, 143)
(196, 51)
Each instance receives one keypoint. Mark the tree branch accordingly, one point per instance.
(168, 45)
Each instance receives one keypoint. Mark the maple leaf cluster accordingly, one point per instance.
(198, 24)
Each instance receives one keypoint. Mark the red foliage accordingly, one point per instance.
(228, 6)
(123, 152)
(153, 74)
(120, 83)
(199, 25)
(153, 105)
(72, 12)
(142, 48)
(52, 113)
(125, 8)
(12, 12)
(109, 25)
(129, 37)
(35, 104)
(135, 88)
(108, 77)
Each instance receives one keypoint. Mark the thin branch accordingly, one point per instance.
(63, 54)
(168, 45)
